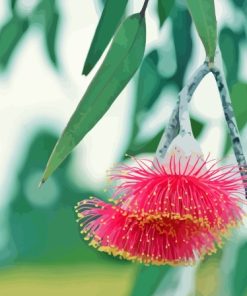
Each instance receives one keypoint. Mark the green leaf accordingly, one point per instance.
(47, 14)
(229, 44)
(150, 82)
(181, 31)
(149, 86)
(13, 4)
(239, 102)
(10, 35)
(151, 145)
(203, 14)
(239, 274)
(208, 275)
(120, 64)
(197, 127)
(148, 279)
(50, 29)
(239, 3)
(164, 8)
(110, 18)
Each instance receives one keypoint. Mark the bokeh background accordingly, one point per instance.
(43, 44)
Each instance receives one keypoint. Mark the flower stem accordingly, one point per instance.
(144, 7)
(217, 71)
(173, 124)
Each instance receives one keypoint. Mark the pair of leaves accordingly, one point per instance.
(10, 35)
(108, 23)
(203, 14)
(120, 64)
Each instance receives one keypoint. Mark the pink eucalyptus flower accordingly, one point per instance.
(170, 213)
(145, 238)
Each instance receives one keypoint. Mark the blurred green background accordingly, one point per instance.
(43, 45)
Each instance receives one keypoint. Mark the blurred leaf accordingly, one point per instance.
(48, 15)
(229, 45)
(197, 127)
(239, 3)
(110, 18)
(149, 84)
(239, 274)
(203, 14)
(208, 275)
(164, 8)
(51, 28)
(10, 35)
(148, 280)
(36, 216)
(151, 145)
(181, 31)
(120, 64)
(239, 101)
(13, 4)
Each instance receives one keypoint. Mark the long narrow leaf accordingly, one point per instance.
(120, 64)
(110, 19)
(203, 14)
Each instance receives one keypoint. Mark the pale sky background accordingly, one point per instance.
(33, 94)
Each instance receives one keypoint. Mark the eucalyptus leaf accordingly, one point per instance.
(148, 279)
(203, 14)
(110, 19)
(148, 88)
(239, 274)
(150, 145)
(181, 30)
(239, 102)
(150, 82)
(164, 8)
(47, 14)
(120, 64)
(207, 277)
(10, 35)
(50, 29)
(239, 3)
(230, 48)
(13, 4)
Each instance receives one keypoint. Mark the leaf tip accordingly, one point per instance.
(86, 69)
(42, 181)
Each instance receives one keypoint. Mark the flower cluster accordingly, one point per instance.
(170, 213)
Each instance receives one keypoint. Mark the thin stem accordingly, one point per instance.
(173, 124)
(219, 75)
(144, 7)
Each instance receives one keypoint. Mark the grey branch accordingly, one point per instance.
(219, 75)
(173, 124)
